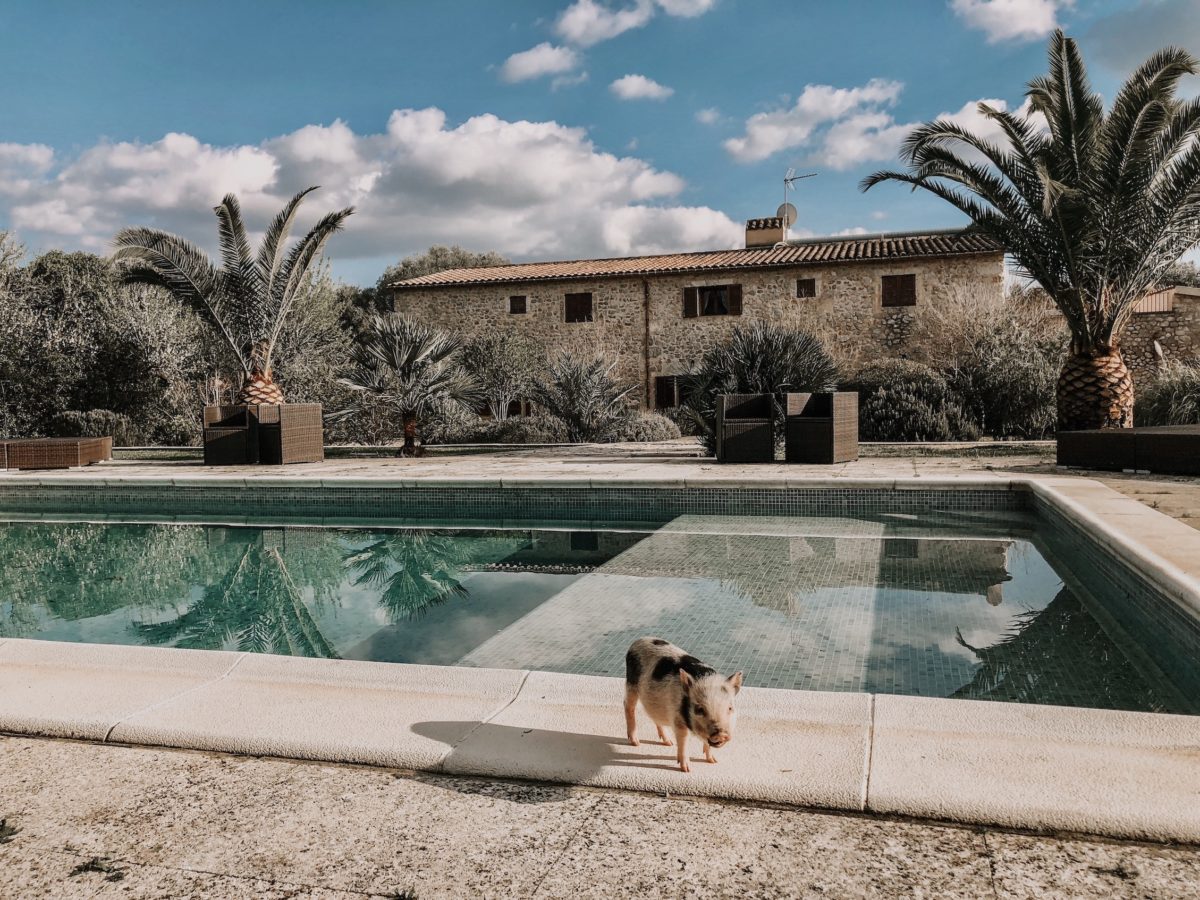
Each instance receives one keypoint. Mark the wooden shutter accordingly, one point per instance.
(735, 299)
(578, 307)
(899, 290)
(691, 302)
(665, 392)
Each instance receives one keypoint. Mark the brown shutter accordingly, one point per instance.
(735, 299)
(691, 302)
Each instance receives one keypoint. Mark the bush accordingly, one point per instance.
(1171, 397)
(590, 403)
(902, 400)
(761, 358)
(95, 423)
(648, 427)
(1007, 383)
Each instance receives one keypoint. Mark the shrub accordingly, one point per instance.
(648, 427)
(513, 430)
(505, 365)
(95, 423)
(1171, 396)
(591, 404)
(761, 358)
(1007, 382)
(902, 400)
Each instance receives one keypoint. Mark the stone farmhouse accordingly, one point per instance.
(868, 296)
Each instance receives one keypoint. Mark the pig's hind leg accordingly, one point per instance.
(662, 735)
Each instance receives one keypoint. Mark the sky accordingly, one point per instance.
(542, 129)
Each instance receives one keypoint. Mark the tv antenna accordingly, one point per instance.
(786, 210)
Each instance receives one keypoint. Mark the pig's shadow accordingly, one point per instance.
(560, 754)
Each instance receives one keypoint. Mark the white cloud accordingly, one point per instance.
(709, 116)
(1124, 39)
(566, 81)
(639, 87)
(851, 232)
(879, 215)
(544, 59)
(842, 128)
(528, 189)
(686, 8)
(588, 22)
(1011, 20)
(818, 105)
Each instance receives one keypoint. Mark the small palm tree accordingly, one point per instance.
(248, 298)
(585, 397)
(1096, 208)
(760, 358)
(410, 368)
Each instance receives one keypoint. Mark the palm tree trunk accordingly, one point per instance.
(1095, 390)
(259, 387)
(410, 435)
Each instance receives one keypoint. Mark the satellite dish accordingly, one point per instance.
(787, 212)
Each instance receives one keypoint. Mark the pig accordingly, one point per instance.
(681, 693)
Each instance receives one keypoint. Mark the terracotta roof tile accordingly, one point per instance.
(856, 248)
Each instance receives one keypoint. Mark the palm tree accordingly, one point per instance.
(411, 368)
(585, 397)
(248, 298)
(1096, 207)
(760, 358)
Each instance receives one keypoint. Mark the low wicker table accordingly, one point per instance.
(56, 453)
(1162, 449)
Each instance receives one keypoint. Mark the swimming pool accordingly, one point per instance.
(982, 600)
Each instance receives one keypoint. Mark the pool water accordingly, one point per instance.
(978, 606)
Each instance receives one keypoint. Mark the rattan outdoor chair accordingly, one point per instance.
(821, 427)
(745, 428)
(230, 435)
(291, 433)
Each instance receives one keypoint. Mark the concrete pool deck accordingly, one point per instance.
(106, 821)
(1129, 775)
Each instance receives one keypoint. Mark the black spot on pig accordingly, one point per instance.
(685, 710)
(633, 668)
(667, 667)
(659, 642)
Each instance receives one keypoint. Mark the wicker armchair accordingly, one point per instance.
(821, 428)
(263, 433)
(291, 433)
(745, 428)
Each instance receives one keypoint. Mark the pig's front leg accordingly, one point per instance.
(631, 700)
(681, 736)
(708, 754)
(662, 735)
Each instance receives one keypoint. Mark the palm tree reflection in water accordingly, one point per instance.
(256, 607)
(1059, 656)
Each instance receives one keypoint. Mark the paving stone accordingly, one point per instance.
(650, 846)
(1045, 867)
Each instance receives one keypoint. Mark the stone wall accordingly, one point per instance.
(1177, 332)
(846, 312)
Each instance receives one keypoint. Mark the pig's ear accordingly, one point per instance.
(735, 681)
(685, 679)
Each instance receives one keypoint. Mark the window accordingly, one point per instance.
(586, 541)
(666, 391)
(806, 288)
(579, 307)
(712, 300)
(899, 290)
(516, 305)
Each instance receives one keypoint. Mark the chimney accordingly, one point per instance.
(765, 232)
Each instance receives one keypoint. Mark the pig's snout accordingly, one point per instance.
(719, 738)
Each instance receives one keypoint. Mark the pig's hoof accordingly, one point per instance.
(711, 759)
(685, 768)
(634, 741)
